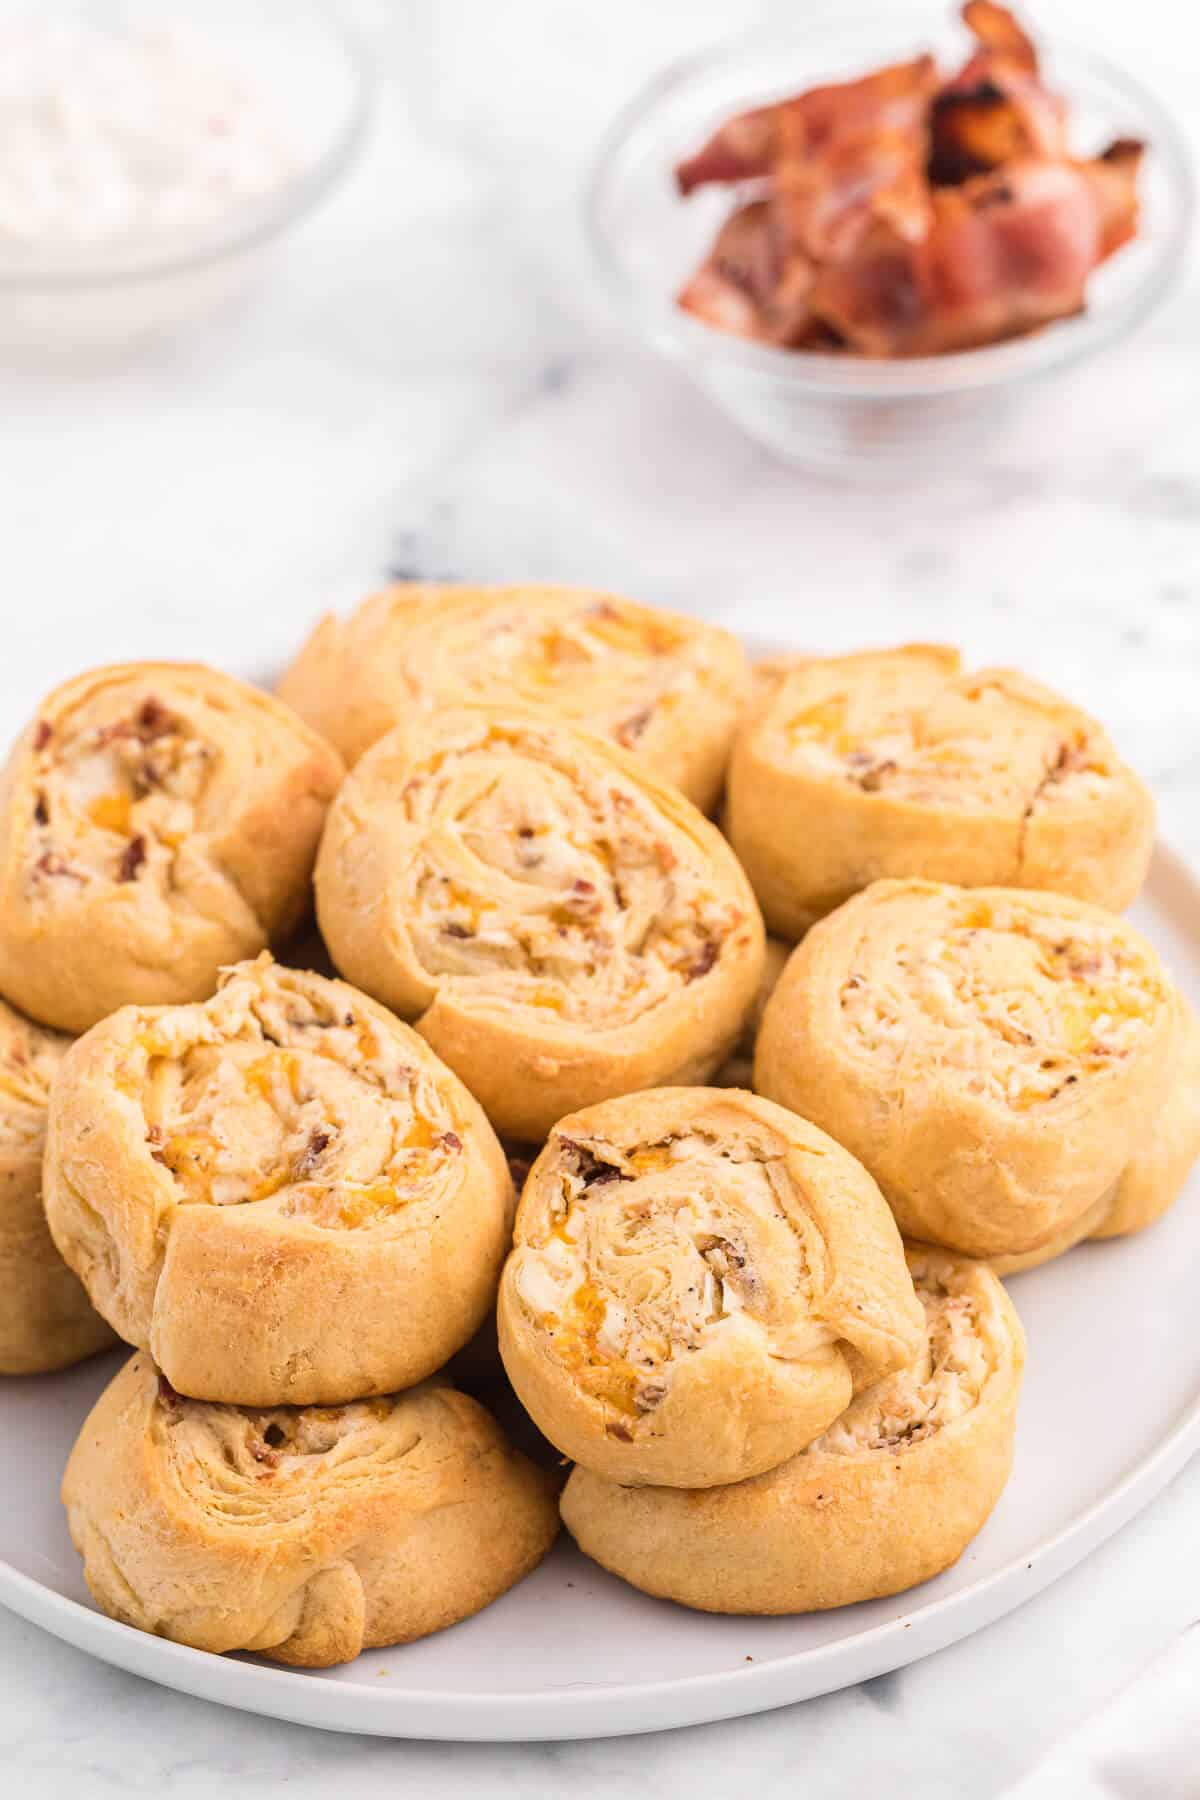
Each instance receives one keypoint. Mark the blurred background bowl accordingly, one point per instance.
(302, 62)
(839, 413)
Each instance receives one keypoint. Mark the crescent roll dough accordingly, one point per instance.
(281, 1193)
(895, 763)
(994, 1057)
(561, 925)
(45, 1319)
(891, 1495)
(157, 820)
(306, 1533)
(698, 1283)
(669, 687)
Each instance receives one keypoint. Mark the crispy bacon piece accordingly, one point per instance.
(996, 29)
(741, 289)
(747, 147)
(1007, 252)
(996, 109)
(904, 215)
(739, 150)
(823, 203)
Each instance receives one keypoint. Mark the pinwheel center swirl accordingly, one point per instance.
(556, 887)
(269, 1467)
(117, 787)
(943, 1384)
(304, 1108)
(652, 1253)
(599, 662)
(958, 744)
(1021, 1006)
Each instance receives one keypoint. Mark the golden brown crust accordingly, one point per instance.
(1160, 1165)
(666, 686)
(281, 1193)
(560, 925)
(157, 820)
(308, 1534)
(699, 1280)
(992, 1056)
(896, 763)
(888, 1497)
(45, 1319)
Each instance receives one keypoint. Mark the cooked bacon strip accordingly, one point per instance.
(997, 30)
(747, 147)
(996, 109)
(904, 215)
(1007, 252)
(740, 289)
(739, 150)
(824, 203)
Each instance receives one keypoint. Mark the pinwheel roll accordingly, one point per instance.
(889, 1496)
(45, 1319)
(281, 1193)
(305, 1533)
(994, 1057)
(157, 820)
(669, 687)
(699, 1282)
(561, 925)
(895, 763)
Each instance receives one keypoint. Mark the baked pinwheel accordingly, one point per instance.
(45, 1319)
(659, 683)
(157, 821)
(561, 925)
(994, 1057)
(305, 1533)
(698, 1284)
(890, 1495)
(896, 763)
(281, 1193)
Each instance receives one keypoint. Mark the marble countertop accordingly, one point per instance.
(428, 383)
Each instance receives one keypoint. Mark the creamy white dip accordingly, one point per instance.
(145, 138)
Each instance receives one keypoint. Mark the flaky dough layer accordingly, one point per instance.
(281, 1193)
(560, 925)
(698, 1283)
(896, 763)
(994, 1057)
(667, 687)
(308, 1533)
(157, 820)
(889, 1496)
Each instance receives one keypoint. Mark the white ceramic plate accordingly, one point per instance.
(1110, 1411)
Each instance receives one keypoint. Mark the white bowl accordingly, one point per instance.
(308, 69)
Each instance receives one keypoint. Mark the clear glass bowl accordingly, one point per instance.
(840, 413)
(298, 54)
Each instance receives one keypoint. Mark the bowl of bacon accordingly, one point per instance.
(860, 267)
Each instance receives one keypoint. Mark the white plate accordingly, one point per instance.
(1110, 1411)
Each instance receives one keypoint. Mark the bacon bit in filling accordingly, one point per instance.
(630, 730)
(133, 856)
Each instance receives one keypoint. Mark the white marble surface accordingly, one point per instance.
(430, 383)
